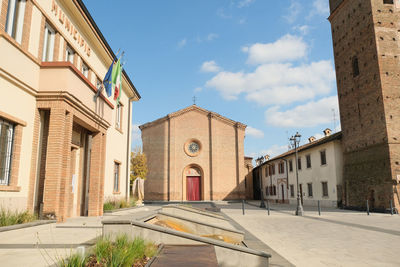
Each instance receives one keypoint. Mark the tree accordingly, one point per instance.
(138, 164)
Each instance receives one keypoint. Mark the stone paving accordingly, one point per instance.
(336, 238)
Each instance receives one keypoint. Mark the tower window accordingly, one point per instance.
(356, 70)
(15, 19)
(388, 1)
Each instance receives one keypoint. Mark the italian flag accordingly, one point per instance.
(116, 79)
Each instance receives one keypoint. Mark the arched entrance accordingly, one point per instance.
(192, 176)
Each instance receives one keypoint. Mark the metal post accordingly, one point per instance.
(243, 206)
(391, 207)
(268, 206)
(262, 204)
(319, 209)
(299, 209)
(367, 208)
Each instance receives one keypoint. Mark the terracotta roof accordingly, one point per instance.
(198, 109)
(323, 140)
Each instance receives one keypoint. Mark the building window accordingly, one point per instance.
(291, 190)
(324, 189)
(266, 191)
(98, 84)
(290, 165)
(6, 144)
(118, 119)
(323, 157)
(116, 176)
(308, 160)
(15, 19)
(85, 70)
(69, 55)
(281, 168)
(274, 192)
(48, 43)
(388, 1)
(356, 70)
(273, 168)
(299, 163)
(309, 187)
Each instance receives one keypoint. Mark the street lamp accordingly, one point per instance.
(295, 140)
(262, 204)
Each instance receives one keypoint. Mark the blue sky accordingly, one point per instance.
(268, 64)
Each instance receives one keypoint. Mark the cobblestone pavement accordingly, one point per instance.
(336, 238)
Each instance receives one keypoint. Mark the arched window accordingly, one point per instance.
(356, 70)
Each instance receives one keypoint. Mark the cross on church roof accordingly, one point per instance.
(194, 100)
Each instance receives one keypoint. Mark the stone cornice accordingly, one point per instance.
(196, 108)
(75, 103)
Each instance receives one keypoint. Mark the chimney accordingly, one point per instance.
(311, 139)
(327, 132)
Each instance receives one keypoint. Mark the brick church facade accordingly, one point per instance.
(366, 45)
(194, 154)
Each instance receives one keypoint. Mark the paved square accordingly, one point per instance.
(336, 238)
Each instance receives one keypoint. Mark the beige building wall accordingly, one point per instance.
(30, 85)
(220, 160)
(331, 172)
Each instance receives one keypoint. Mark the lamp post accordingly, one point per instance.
(295, 140)
(262, 204)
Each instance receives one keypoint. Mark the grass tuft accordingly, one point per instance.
(113, 204)
(8, 217)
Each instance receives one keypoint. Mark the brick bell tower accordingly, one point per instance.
(366, 43)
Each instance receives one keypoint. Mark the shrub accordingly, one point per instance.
(112, 204)
(8, 217)
(75, 260)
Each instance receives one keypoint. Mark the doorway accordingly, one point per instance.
(84, 198)
(193, 185)
(283, 193)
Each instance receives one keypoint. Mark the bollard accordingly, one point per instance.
(391, 207)
(268, 206)
(367, 208)
(319, 209)
(243, 206)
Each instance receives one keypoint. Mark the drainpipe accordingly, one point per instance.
(128, 151)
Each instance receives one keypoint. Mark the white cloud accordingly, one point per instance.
(250, 131)
(303, 29)
(310, 114)
(210, 66)
(320, 7)
(293, 11)
(198, 89)
(273, 151)
(212, 36)
(136, 134)
(244, 3)
(287, 48)
(276, 84)
(242, 21)
(182, 43)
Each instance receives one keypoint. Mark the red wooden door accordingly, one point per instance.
(193, 188)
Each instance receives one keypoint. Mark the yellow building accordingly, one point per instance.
(61, 152)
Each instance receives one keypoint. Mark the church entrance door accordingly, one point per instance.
(193, 188)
